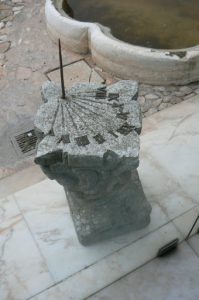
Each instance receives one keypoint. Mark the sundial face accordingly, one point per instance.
(92, 119)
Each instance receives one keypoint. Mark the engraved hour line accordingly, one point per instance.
(99, 108)
(102, 123)
(92, 91)
(54, 118)
(98, 138)
(87, 109)
(87, 100)
(97, 105)
(69, 123)
(71, 118)
(108, 120)
(62, 115)
(58, 122)
(78, 121)
(120, 114)
(83, 121)
(111, 113)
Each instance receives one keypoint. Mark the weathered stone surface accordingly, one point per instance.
(2, 25)
(3, 72)
(4, 13)
(197, 91)
(89, 143)
(123, 210)
(151, 97)
(4, 6)
(185, 90)
(163, 94)
(147, 105)
(156, 103)
(189, 96)
(164, 105)
(178, 94)
(17, 1)
(17, 8)
(8, 24)
(150, 111)
(141, 100)
(16, 12)
(3, 38)
(4, 47)
(175, 100)
(160, 89)
(23, 73)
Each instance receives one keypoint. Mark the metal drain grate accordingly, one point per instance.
(25, 142)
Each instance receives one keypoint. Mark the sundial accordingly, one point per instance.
(88, 140)
(91, 119)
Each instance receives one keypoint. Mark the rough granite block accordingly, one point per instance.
(89, 143)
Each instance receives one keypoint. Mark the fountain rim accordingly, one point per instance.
(124, 60)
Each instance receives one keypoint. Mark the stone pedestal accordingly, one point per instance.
(89, 143)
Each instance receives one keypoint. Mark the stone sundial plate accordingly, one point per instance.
(91, 120)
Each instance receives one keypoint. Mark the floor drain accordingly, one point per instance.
(25, 142)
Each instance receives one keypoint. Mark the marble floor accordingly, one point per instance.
(40, 257)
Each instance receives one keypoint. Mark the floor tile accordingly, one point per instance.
(75, 73)
(194, 243)
(163, 189)
(185, 222)
(20, 180)
(88, 281)
(47, 214)
(174, 277)
(23, 272)
(173, 142)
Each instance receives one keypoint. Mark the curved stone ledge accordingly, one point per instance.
(152, 66)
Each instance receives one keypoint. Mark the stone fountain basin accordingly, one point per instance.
(123, 60)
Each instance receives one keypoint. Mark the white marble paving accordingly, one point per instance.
(174, 277)
(162, 188)
(48, 218)
(20, 180)
(172, 141)
(88, 281)
(185, 222)
(23, 271)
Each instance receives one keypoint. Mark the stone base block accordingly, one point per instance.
(126, 209)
